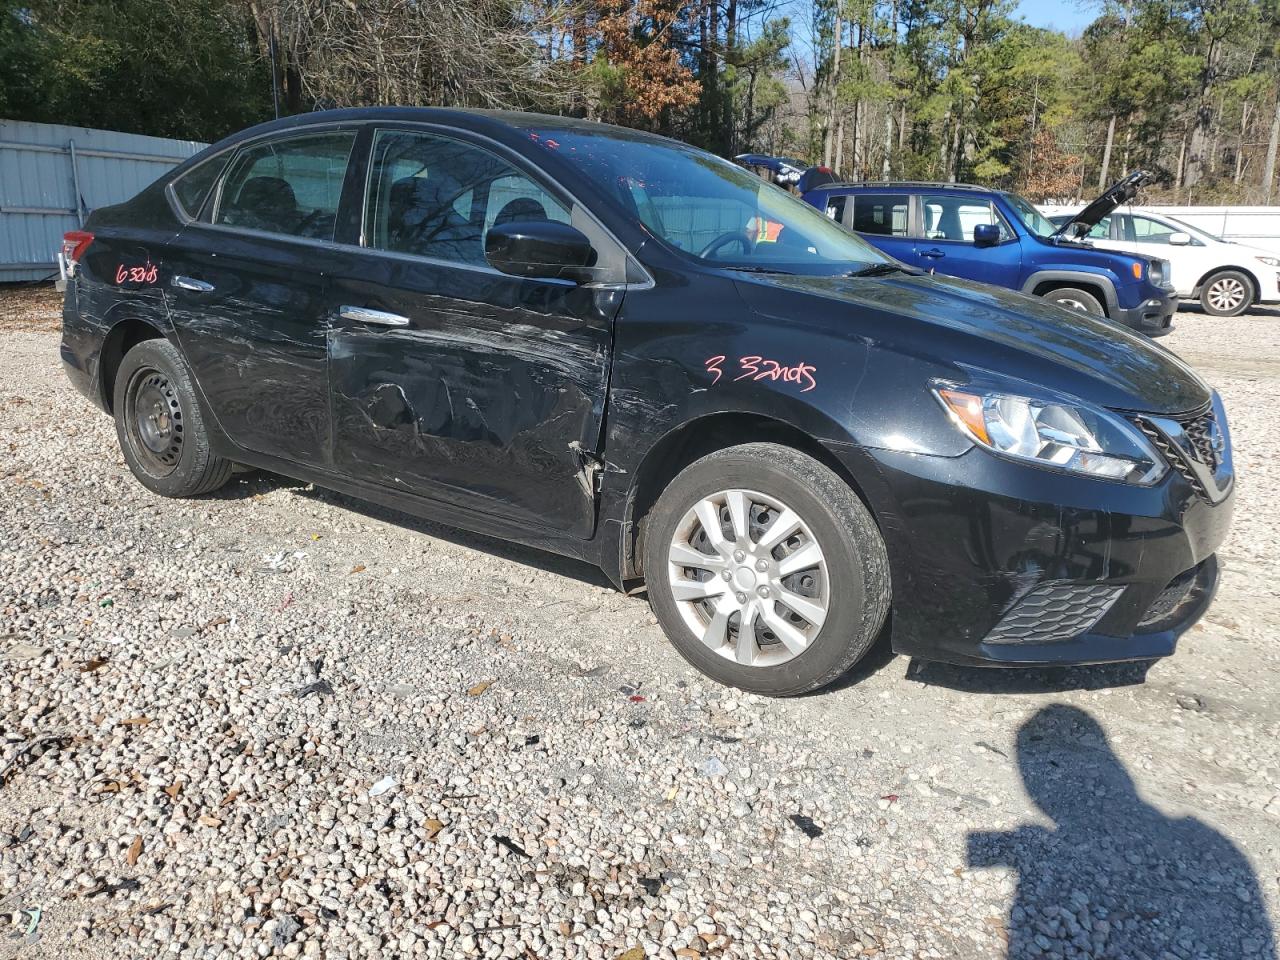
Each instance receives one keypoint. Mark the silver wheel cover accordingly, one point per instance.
(749, 578)
(1226, 294)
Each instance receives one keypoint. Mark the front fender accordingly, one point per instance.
(1067, 274)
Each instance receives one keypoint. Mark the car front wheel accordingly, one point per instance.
(1226, 294)
(161, 427)
(1073, 299)
(766, 570)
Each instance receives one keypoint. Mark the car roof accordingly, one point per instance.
(464, 118)
(904, 185)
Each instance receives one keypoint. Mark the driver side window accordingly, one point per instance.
(436, 197)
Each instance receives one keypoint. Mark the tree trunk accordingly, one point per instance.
(1244, 125)
(1182, 162)
(1269, 167)
(886, 166)
(833, 93)
(838, 162)
(1105, 172)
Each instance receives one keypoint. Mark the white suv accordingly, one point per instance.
(1227, 277)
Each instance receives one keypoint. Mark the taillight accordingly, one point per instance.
(74, 244)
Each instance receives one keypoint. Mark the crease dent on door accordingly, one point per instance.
(477, 398)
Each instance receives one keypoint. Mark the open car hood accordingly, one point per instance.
(1123, 191)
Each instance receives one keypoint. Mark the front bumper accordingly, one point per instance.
(1153, 316)
(999, 563)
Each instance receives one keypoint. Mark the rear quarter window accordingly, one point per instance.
(882, 214)
(192, 188)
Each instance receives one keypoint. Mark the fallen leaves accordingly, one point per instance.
(135, 851)
(635, 953)
(173, 790)
(135, 722)
(358, 568)
(432, 827)
(208, 820)
(90, 666)
(230, 798)
(479, 688)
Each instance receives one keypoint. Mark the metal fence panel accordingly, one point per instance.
(52, 176)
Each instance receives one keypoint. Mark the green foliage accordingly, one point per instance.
(173, 68)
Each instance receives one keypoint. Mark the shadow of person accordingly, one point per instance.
(1114, 877)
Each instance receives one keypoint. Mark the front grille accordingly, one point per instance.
(1199, 442)
(1201, 431)
(1173, 458)
(1055, 612)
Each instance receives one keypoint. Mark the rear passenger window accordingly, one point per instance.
(883, 214)
(289, 186)
(436, 197)
(953, 218)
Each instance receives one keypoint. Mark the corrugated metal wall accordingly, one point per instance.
(52, 176)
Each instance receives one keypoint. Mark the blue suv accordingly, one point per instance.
(999, 238)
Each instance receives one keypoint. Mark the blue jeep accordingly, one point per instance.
(999, 238)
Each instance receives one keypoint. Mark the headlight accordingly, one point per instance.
(1270, 261)
(1059, 436)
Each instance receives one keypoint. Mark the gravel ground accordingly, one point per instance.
(276, 722)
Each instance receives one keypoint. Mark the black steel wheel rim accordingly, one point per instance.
(153, 418)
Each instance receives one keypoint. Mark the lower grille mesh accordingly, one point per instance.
(1055, 612)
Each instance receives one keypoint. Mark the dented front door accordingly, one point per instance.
(466, 385)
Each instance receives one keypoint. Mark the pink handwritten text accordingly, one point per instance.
(146, 273)
(762, 368)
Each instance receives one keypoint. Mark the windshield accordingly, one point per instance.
(1031, 218)
(709, 208)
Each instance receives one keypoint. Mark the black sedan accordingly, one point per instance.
(614, 346)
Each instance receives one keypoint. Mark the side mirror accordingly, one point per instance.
(1179, 239)
(545, 249)
(986, 235)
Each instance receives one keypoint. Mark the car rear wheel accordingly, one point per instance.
(1226, 294)
(160, 426)
(1075, 299)
(766, 570)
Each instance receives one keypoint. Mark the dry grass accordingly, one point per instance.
(30, 307)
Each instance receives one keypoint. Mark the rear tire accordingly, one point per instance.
(1073, 298)
(790, 549)
(160, 426)
(1228, 293)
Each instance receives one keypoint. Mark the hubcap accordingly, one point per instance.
(1073, 305)
(154, 419)
(749, 578)
(1226, 294)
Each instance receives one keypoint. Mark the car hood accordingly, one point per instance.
(1121, 192)
(978, 329)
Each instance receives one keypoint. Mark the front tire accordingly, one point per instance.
(1227, 293)
(763, 535)
(1072, 298)
(160, 426)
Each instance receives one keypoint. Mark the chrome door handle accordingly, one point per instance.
(932, 254)
(379, 317)
(191, 283)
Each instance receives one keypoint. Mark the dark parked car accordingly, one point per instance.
(999, 238)
(617, 347)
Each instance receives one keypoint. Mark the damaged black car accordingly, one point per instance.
(616, 347)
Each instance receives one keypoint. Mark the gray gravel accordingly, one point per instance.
(275, 722)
